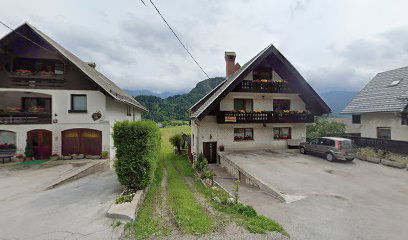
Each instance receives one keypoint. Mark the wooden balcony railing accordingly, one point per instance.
(25, 118)
(263, 87)
(264, 117)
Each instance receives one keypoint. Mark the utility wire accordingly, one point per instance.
(21, 35)
(174, 33)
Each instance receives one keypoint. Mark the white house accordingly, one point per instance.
(380, 110)
(54, 101)
(265, 104)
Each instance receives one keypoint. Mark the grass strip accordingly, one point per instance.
(148, 224)
(190, 215)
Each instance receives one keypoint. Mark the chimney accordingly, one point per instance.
(231, 66)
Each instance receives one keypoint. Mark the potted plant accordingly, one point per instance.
(221, 148)
(29, 152)
(20, 157)
(104, 154)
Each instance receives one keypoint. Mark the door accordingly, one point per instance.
(41, 141)
(210, 151)
(81, 141)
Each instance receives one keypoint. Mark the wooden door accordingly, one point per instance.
(81, 141)
(210, 151)
(41, 141)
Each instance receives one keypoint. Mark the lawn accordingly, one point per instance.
(178, 204)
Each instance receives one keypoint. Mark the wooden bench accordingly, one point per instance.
(7, 154)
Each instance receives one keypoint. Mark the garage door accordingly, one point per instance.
(81, 141)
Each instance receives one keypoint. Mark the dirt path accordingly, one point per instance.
(164, 209)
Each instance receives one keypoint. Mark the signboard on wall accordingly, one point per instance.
(230, 119)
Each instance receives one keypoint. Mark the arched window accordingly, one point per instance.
(7, 140)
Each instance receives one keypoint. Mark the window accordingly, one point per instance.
(31, 104)
(78, 103)
(241, 104)
(262, 73)
(282, 133)
(243, 134)
(281, 104)
(404, 119)
(356, 119)
(384, 132)
(129, 111)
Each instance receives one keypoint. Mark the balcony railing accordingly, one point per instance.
(263, 86)
(264, 117)
(25, 118)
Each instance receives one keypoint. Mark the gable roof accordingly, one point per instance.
(208, 102)
(379, 95)
(107, 85)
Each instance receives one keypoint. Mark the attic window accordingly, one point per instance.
(394, 83)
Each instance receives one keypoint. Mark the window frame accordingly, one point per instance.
(278, 102)
(245, 100)
(280, 133)
(245, 130)
(383, 128)
(128, 110)
(356, 119)
(72, 110)
(404, 118)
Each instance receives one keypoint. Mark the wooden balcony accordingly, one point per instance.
(25, 118)
(264, 117)
(262, 87)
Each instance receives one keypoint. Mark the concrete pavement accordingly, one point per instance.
(75, 210)
(357, 200)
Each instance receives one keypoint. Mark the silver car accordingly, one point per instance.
(333, 148)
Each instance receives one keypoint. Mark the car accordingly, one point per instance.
(332, 148)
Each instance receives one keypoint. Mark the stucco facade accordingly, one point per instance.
(371, 121)
(62, 119)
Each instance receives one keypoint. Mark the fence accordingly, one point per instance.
(384, 144)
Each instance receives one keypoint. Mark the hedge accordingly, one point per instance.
(137, 152)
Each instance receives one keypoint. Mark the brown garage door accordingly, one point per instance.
(81, 141)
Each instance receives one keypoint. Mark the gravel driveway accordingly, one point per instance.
(338, 201)
(75, 210)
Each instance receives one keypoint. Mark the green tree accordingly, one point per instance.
(177, 140)
(325, 128)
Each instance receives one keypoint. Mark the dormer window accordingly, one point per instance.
(394, 83)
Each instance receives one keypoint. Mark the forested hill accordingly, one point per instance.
(176, 107)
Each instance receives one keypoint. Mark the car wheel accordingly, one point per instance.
(302, 150)
(349, 159)
(329, 157)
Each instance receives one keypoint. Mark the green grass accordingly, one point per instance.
(189, 214)
(147, 223)
(167, 132)
(34, 162)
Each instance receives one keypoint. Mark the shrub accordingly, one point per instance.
(245, 210)
(201, 164)
(177, 140)
(104, 154)
(29, 151)
(137, 152)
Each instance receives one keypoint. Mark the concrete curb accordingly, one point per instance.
(393, 164)
(127, 211)
(255, 181)
(99, 166)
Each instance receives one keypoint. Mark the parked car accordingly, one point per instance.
(333, 148)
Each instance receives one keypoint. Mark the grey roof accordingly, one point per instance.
(379, 96)
(202, 105)
(111, 88)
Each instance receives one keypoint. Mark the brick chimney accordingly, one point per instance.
(231, 66)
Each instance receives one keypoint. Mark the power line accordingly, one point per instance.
(174, 33)
(21, 35)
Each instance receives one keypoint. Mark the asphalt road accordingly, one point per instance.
(336, 200)
(75, 210)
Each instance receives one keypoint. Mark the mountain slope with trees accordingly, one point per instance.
(176, 107)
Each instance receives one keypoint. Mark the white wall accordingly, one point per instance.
(207, 130)
(370, 122)
(110, 109)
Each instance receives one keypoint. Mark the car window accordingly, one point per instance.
(314, 141)
(321, 141)
(346, 144)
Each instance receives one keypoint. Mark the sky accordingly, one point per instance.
(335, 45)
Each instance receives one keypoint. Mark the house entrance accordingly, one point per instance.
(41, 143)
(210, 151)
